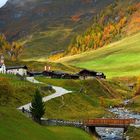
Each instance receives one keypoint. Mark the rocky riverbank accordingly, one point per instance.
(118, 133)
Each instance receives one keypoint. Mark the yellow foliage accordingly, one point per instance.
(56, 56)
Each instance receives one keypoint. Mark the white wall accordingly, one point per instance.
(3, 69)
(17, 71)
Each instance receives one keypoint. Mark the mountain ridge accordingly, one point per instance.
(48, 27)
(58, 20)
(113, 23)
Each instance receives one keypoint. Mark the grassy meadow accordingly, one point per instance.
(115, 60)
(88, 103)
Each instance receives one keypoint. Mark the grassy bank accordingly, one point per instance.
(133, 133)
(135, 106)
(21, 91)
(15, 126)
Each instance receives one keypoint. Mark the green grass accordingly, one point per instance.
(22, 91)
(87, 101)
(44, 43)
(133, 133)
(115, 60)
(88, 104)
(15, 126)
(135, 106)
(73, 106)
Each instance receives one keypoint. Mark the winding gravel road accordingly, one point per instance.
(59, 91)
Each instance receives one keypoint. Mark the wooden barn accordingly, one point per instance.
(84, 74)
(70, 76)
(52, 74)
(31, 74)
(60, 75)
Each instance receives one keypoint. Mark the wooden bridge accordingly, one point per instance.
(113, 123)
(117, 123)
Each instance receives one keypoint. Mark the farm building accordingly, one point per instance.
(31, 74)
(21, 70)
(84, 74)
(60, 75)
(16, 70)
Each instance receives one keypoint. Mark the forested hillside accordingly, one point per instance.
(47, 26)
(116, 21)
(11, 50)
(59, 28)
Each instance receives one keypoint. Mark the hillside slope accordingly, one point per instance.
(90, 103)
(47, 25)
(88, 99)
(113, 23)
(117, 59)
(84, 102)
(15, 126)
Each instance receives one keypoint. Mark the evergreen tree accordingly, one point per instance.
(37, 107)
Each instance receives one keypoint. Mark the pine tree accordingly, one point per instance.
(37, 107)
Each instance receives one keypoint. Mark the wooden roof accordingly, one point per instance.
(16, 67)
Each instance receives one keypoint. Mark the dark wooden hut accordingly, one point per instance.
(90, 74)
(31, 74)
(60, 75)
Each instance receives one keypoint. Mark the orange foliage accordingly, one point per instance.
(134, 22)
(107, 27)
(56, 56)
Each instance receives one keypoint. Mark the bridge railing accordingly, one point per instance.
(95, 122)
(57, 122)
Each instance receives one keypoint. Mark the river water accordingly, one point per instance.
(117, 133)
